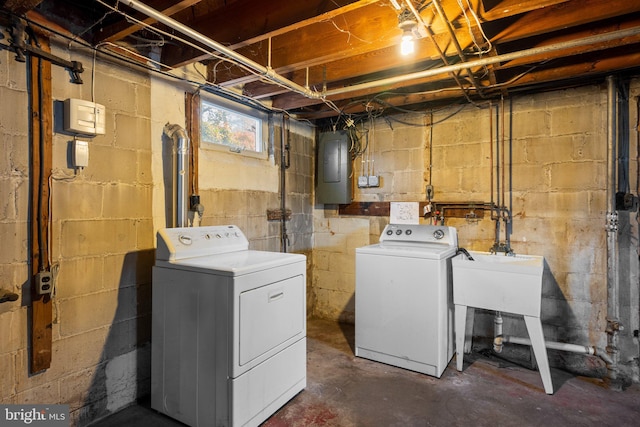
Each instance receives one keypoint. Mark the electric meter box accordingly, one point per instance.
(84, 117)
(334, 168)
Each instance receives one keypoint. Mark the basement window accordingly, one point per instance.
(232, 126)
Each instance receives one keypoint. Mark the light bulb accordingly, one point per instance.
(407, 44)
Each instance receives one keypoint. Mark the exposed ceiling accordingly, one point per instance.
(316, 58)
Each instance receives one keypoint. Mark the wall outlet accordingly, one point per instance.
(429, 191)
(373, 181)
(363, 181)
(44, 283)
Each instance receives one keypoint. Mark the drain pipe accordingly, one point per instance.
(498, 339)
(180, 173)
(554, 345)
(613, 277)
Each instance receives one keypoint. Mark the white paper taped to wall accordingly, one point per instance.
(404, 213)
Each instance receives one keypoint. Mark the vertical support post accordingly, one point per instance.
(41, 110)
(193, 130)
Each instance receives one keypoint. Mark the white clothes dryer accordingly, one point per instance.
(228, 327)
(404, 304)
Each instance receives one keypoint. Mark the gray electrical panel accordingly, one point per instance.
(334, 168)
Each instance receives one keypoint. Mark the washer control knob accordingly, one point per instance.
(438, 234)
(398, 232)
(185, 240)
(389, 232)
(408, 232)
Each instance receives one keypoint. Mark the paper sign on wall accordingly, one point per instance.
(405, 213)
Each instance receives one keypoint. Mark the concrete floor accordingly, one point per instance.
(343, 390)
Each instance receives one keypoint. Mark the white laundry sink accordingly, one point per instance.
(511, 284)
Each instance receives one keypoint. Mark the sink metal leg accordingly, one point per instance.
(460, 323)
(471, 312)
(534, 327)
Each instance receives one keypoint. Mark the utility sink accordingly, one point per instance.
(511, 284)
(497, 282)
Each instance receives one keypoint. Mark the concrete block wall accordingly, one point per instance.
(556, 166)
(101, 244)
(243, 191)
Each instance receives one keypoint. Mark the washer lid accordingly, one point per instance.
(408, 250)
(233, 263)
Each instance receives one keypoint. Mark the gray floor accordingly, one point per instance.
(343, 390)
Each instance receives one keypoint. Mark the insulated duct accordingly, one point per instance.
(180, 173)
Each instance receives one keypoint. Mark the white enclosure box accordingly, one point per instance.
(84, 117)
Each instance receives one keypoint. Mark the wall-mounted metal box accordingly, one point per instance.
(334, 168)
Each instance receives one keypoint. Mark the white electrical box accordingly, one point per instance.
(44, 282)
(80, 154)
(84, 117)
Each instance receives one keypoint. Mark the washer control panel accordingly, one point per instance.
(188, 242)
(419, 233)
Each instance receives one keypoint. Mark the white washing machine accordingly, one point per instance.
(228, 328)
(404, 307)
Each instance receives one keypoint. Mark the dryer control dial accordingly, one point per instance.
(438, 234)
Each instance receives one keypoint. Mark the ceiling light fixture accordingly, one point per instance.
(408, 24)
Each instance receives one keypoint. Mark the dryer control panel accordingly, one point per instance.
(188, 242)
(419, 234)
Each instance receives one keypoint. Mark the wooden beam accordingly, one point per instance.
(192, 108)
(469, 210)
(562, 16)
(497, 9)
(576, 35)
(249, 19)
(19, 7)
(41, 165)
(122, 29)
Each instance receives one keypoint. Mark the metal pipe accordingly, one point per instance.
(452, 34)
(554, 345)
(271, 75)
(284, 164)
(613, 276)
(497, 333)
(180, 169)
(502, 150)
(491, 147)
(260, 69)
(600, 38)
(432, 37)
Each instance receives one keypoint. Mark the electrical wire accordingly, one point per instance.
(201, 49)
(469, 7)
